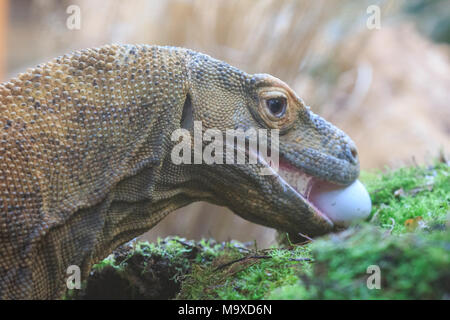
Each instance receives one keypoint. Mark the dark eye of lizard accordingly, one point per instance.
(276, 106)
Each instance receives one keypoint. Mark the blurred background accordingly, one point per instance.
(387, 87)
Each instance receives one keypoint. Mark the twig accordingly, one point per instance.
(300, 259)
(388, 232)
(184, 243)
(305, 236)
(260, 257)
(239, 260)
(256, 257)
(242, 248)
(230, 263)
(375, 215)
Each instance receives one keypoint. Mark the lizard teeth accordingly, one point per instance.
(300, 181)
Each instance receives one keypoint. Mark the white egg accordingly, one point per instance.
(342, 205)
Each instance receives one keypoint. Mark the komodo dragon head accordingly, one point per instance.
(312, 152)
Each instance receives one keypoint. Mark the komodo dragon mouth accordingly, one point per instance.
(303, 185)
(332, 204)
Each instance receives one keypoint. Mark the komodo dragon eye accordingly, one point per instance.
(276, 106)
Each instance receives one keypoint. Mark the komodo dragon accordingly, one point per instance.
(85, 165)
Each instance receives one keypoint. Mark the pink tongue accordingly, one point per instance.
(341, 204)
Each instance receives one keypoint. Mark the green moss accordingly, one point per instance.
(412, 266)
(250, 275)
(143, 270)
(409, 193)
(108, 261)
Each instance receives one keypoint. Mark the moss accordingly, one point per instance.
(406, 236)
(142, 270)
(245, 275)
(421, 193)
(412, 266)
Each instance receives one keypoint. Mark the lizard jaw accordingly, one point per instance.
(298, 182)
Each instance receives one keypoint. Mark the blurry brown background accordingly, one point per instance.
(389, 89)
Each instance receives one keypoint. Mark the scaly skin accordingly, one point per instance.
(85, 144)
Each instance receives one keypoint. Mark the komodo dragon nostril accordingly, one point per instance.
(353, 154)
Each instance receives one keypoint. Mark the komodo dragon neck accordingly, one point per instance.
(85, 144)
